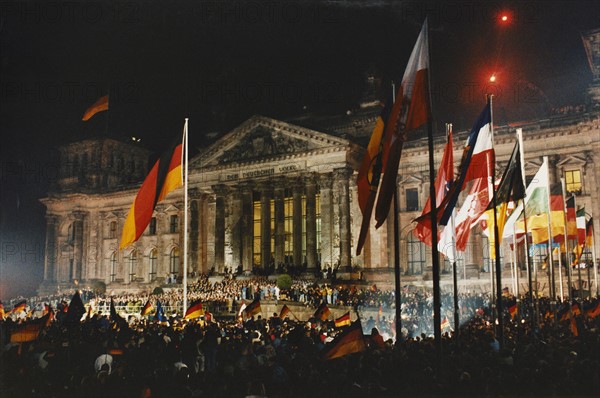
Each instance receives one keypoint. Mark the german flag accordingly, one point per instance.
(349, 341)
(98, 106)
(445, 324)
(322, 312)
(195, 310)
(253, 308)
(571, 218)
(2, 313)
(512, 310)
(164, 177)
(573, 327)
(20, 306)
(342, 321)
(594, 311)
(30, 330)
(284, 311)
(147, 309)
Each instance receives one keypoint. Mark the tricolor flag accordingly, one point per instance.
(555, 217)
(574, 328)
(20, 306)
(369, 174)
(98, 106)
(284, 311)
(2, 313)
(510, 190)
(594, 311)
(253, 308)
(349, 341)
(208, 316)
(571, 218)
(165, 176)
(581, 235)
(512, 310)
(536, 204)
(443, 180)
(30, 330)
(322, 312)
(445, 325)
(410, 112)
(344, 320)
(147, 309)
(195, 310)
(476, 165)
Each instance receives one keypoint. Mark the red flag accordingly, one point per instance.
(444, 177)
(412, 103)
(164, 177)
(98, 106)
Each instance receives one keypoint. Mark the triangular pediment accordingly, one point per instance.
(411, 180)
(572, 161)
(261, 138)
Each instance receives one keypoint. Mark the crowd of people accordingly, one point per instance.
(544, 351)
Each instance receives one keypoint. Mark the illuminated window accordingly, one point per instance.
(416, 255)
(174, 261)
(412, 199)
(303, 228)
(257, 236)
(132, 264)
(288, 207)
(153, 264)
(573, 181)
(318, 220)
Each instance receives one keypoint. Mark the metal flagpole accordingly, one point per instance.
(527, 257)
(517, 268)
(185, 213)
(551, 288)
(397, 297)
(567, 265)
(453, 248)
(594, 262)
(500, 319)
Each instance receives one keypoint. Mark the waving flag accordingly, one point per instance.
(147, 309)
(160, 314)
(322, 312)
(349, 341)
(443, 180)
(253, 308)
(412, 111)
(164, 177)
(476, 163)
(284, 312)
(195, 310)
(98, 106)
(344, 320)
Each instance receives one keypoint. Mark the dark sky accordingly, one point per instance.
(220, 62)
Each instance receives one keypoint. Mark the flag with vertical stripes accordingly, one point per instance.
(164, 177)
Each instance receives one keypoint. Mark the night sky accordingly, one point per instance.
(220, 62)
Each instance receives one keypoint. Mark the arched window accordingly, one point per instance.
(174, 261)
(416, 255)
(132, 264)
(153, 264)
(113, 266)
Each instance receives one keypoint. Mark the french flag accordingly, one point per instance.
(476, 165)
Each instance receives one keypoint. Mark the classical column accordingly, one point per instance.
(327, 257)
(265, 225)
(341, 177)
(247, 227)
(78, 244)
(194, 229)
(220, 192)
(311, 221)
(51, 248)
(235, 222)
(298, 189)
(279, 196)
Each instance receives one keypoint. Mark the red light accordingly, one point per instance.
(493, 78)
(504, 18)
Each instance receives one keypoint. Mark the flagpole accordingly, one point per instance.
(453, 248)
(567, 251)
(185, 213)
(594, 263)
(552, 287)
(517, 268)
(527, 257)
(397, 297)
(500, 320)
(437, 306)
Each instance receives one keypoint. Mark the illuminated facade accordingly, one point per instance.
(273, 193)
